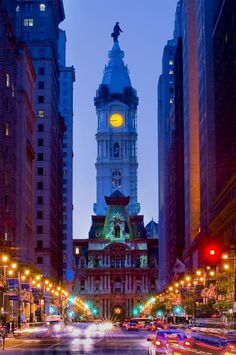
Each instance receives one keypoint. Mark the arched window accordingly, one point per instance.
(116, 179)
(116, 150)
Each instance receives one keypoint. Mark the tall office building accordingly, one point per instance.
(25, 156)
(37, 25)
(191, 124)
(224, 48)
(165, 101)
(67, 78)
(204, 21)
(16, 140)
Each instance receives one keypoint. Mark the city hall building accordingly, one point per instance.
(116, 267)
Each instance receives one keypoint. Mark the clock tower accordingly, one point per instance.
(116, 104)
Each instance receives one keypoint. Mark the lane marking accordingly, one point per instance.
(60, 342)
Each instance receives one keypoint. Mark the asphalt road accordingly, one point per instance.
(111, 342)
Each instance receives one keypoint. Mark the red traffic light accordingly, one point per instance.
(212, 253)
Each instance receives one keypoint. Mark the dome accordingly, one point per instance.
(116, 75)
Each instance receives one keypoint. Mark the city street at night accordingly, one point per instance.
(118, 177)
(88, 339)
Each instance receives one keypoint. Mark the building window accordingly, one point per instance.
(41, 85)
(171, 62)
(41, 113)
(39, 260)
(42, 7)
(116, 150)
(116, 179)
(28, 22)
(40, 142)
(40, 128)
(39, 185)
(171, 71)
(77, 251)
(6, 202)
(40, 156)
(171, 100)
(40, 99)
(7, 80)
(40, 171)
(40, 200)
(39, 244)
(6, 129)
(40, 214)
(41, 71)
(40, 229)
(17, 8)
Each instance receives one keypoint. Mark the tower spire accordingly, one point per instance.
(116, 104)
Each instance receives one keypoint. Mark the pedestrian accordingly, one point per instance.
(3, 335)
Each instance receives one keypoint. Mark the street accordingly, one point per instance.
(80, 340)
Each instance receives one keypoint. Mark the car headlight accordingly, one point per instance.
(157, 342)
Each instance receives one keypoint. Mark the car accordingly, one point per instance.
(132, 325)
(34, 330)
(169, 340)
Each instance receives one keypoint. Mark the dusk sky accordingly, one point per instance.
(146, 25)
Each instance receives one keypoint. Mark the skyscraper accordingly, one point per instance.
(37, 25)
(67, 78)
(16, 140)
(165, 101)
(223, 225)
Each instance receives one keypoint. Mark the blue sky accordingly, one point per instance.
(146, 25)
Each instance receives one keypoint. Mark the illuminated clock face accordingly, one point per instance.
(116, 120)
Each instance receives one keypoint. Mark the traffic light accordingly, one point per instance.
(135, 312)
(212, 254)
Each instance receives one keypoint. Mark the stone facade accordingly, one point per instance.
(116, 268)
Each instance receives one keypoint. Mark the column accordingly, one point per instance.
(126, 282)
(92, 285)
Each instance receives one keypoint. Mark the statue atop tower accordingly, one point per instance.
(116, 32)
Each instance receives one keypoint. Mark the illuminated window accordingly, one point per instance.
(42, 7)
(17, 8)
(171, 62)
(77, 250)
(171, 101)
(28, 22)
(6, 129)
(41, 113)
(171, 71)
(7, 80)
